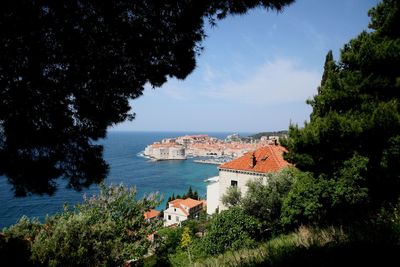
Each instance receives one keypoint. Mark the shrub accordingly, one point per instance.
(230, 230)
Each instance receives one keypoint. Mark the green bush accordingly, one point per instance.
(231, 229)
(331, 246)
(16, 242)
(105, 230)
(265, 197)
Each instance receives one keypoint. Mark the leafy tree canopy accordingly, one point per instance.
(68, 69)
(351, 146)
(232, 196)
(265, 196)
(105, 230)
(231, 229)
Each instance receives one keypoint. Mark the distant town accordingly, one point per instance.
(216, 151)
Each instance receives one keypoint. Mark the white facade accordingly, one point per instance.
(165, 152)
(212, 194)
(180, 210)
(229, 178)
(251, 166)
(174, 215)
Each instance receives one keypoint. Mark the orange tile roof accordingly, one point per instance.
(191, 203)
(188, 202)
(263, 160)
(151, 214)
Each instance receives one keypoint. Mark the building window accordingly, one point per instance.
(177, 218)
(169, 217)
(233, 183)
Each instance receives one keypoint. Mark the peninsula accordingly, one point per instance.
(181, 147)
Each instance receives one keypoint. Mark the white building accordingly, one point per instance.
(165, 151)
(180, 210)
(241, 170)
(212, 194)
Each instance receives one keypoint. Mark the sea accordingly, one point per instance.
(124, 153)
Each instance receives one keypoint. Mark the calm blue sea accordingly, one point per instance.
(122, 151)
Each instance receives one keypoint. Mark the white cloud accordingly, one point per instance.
(277, 81)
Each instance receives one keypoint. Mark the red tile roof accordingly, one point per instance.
(263, 160)
(151, 214)
(182, 203)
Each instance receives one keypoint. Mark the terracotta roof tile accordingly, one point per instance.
(191, 203)
(151, 214)
(182, 203)
(263, 160)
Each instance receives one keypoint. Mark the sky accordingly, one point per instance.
(256, 71)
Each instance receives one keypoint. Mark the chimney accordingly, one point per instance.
(253, 161)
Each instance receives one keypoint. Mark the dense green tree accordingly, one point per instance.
(169, 242)
(69, 68)
(351, 146)
(105, 230)
(196, 195)
(16, 242)
(189, 192)
(232, 196)
(231, 229)
(265, 196)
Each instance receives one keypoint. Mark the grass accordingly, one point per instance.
(310, 247)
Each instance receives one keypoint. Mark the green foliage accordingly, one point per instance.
(232, 196)
(170, 250)
(199, 224)
(281, 250)
(189, 193)
(304, 201)
(387, 225)
(318, 200)
(16, 242)
(185, 257)
(169, 242)
(105, 230)
(265, 196)
(186, 239)
(351, 144)
(230, 230)
(308, 246)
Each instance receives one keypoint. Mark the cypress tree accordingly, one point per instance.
(190, 192)
(351, 146)
(196, 195)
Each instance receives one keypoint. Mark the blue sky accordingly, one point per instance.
(256, 70)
